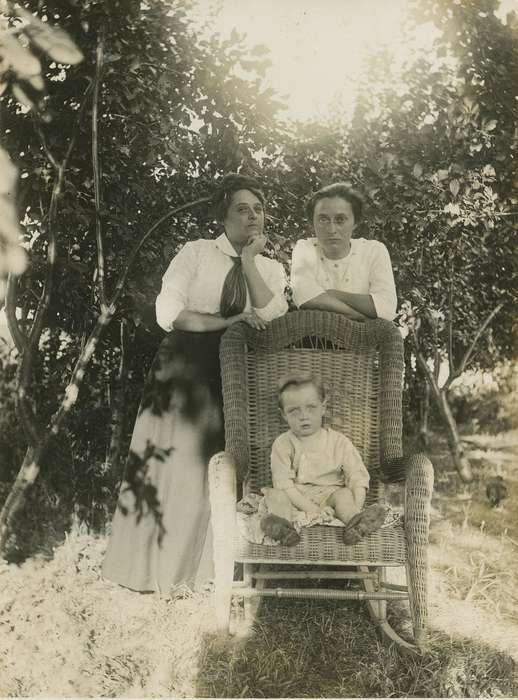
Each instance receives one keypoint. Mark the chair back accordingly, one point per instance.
(361, 364)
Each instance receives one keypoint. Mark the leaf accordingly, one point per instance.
(37, 83)
(9, 227)
(452, 209)
(21, 60)
(53, 40)
(454, 187)
(22, 96)
(8, 173)
(16, 259)
(490, 125)
(417, 171)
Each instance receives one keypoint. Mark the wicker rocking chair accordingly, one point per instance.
(363, 364)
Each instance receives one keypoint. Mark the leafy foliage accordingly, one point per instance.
(176, 107)
(432, 145)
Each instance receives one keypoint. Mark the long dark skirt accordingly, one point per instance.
(161, 532)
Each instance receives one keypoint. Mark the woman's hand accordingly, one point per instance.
(253, 247)
(249, 317)
(253, 320)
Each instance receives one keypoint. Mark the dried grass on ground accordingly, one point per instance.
(66, 632)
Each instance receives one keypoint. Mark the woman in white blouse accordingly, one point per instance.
(336, 272)
(161, 534)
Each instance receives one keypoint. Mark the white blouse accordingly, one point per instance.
(195, 277)
(365, 270)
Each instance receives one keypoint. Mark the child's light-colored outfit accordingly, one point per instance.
(317, 465)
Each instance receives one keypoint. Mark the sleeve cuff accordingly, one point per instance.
(166, 315)
(385, 308)
(274, 308)
(283, 484)
(306, 290)
(359, 483)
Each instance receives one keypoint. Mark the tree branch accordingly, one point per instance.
(23, 405)
(19, 337)
(131, 259)
(450, 330)
(43, 140)
(44, 300)
(60, 168)
(436, 359)
(469, 352)
(428, 373)
(25, 409)
(72, 389)
(77, 122)
(117, 404)
(97, 172)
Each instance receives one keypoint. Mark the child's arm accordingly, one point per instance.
(355, 473)
(283, 474)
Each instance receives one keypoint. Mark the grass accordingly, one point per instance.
(66, 632)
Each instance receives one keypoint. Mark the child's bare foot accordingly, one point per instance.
(364, 523)
(280, 529)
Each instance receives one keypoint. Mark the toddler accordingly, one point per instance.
(314, 468)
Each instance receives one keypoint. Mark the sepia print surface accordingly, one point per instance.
(168, 149)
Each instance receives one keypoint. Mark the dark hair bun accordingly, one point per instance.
(227, 186)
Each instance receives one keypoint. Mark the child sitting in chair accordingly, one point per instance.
(314, 468)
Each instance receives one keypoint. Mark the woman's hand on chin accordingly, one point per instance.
(252, 319)
(253, 247)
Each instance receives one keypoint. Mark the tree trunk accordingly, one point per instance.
(14, 502)
(460, 460)
(424, 413)
(440, 396)
(32, 461)
(117, 405)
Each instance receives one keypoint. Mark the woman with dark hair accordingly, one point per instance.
(161, 533)
(336, 272)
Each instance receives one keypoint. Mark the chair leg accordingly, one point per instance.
(378, 612)
(418, 493)
(252, 604)
(222, 489)
(223, 579)
(417, 590)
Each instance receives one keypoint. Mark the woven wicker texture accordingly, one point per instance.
(418, 494)
(320, 544)
(363, 367)
(362, 363)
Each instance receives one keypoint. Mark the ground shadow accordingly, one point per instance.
(328, 649)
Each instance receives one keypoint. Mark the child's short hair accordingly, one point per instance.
(301, 379)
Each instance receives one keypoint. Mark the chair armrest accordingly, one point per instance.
(397, 469)
(222, 494)
(393, 471)
(222, 480)
(418, 496)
